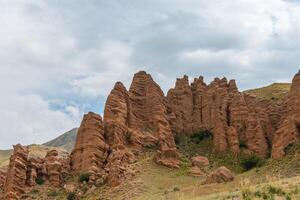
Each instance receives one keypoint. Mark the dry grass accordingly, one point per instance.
(274, 92)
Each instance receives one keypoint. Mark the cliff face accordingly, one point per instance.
(221, 108)
(90, 151)
(289, 126)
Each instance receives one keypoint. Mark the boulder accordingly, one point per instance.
(200, 161)
(220, 175)
(197, 172)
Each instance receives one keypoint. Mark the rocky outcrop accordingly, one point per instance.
(90, 151)
(53, 168)
(220, 175)
(200, 161)
(134, 120)
(196, 172)
(288, 131)
(15, 183)
(222, 109)
(2, 177)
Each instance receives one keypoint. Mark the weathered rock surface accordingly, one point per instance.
(53, 168)
(196, 171)
(15, 183)
(220, 175)
(200, 161)
(90, 151)
(221, 108)
(289, 126)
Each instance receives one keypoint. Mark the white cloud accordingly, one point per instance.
(69, 53)
(29, 119)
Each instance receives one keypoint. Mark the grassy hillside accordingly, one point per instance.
(274, 92)
(276, 179)
(65, 141)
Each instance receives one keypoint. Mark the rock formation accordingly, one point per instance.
(288, 131)
(222, 109)
(15, 182)
(135, 119)
(220, 175)
(200, 161)
(2, 178)
(90, 151)
(53, 168)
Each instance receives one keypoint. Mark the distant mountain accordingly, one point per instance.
(274, 92)
(65, 141)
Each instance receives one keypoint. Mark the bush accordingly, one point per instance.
(52, 193)
(71, 196)
(176, 189)
(39, 181)
(199, 136)
(85, 177)
(252, 161)
(243, 144)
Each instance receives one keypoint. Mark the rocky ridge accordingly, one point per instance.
(143, 117)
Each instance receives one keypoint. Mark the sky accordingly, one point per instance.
(60, 59)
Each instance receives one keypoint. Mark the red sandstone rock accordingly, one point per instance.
(2, 180)
(53, 167)
(289, 128)
(196, 171)
(220, 175)
(200, 161)
(15, 183)
(90, 151)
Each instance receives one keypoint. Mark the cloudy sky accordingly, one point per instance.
(59, 59)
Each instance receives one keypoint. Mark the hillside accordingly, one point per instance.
(65, 141)
(274, 92)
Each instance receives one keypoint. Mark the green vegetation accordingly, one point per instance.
(71, 196)
(39, 181)
(268, 192)
(84, 177)
(251, 161)
(274, 92)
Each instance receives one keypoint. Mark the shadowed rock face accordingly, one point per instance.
(288, 131)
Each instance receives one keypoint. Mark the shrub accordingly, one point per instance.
(85, 177)
(39, 181)
(176, 189)
(252, 161)
(52, 193)
(201, 135)
(71, 196)
(243, 144)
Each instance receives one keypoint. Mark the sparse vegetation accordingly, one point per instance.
(71, 196)
(84, 177)
(251, 161)
(274, 92)
(39, 181)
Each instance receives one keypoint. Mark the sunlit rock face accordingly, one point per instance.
(288, 131)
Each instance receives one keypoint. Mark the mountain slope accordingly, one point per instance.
(274, 92)
(65, 141)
